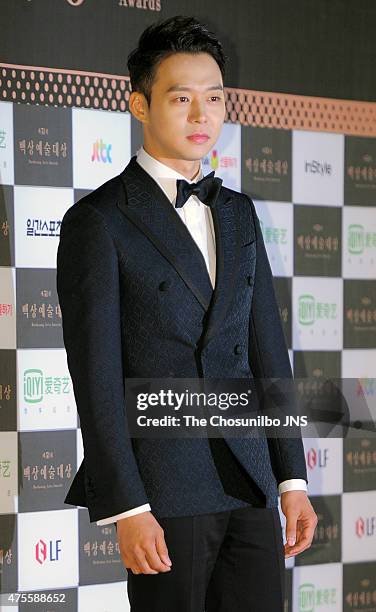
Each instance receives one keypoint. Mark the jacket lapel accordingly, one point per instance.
(226, 223)
(147, 206)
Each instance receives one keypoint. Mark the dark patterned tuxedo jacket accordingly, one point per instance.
(137, 301)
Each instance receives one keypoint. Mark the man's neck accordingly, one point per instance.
(187, 168)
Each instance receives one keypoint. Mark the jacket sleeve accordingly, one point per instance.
(268, 356)
(89, 296)
(118, 517)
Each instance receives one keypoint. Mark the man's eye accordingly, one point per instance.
(180, 98)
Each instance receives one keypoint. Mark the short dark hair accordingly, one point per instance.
(177, 34)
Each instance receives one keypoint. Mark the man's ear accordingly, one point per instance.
(138, 106)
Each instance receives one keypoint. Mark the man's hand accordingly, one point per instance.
(301, 521)
(142, 544)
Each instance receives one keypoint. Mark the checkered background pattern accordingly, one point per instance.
(315, 194)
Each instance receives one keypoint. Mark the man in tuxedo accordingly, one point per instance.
(162, 272)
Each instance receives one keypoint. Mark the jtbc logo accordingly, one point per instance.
(365, 527)
(101, 152)
(317, 458)
(47, 552)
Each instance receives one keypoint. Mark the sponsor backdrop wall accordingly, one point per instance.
(309, 162)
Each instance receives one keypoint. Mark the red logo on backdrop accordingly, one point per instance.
(365, 527)
(47, 551)
(312, 458)
(317, 458)
(41, 551)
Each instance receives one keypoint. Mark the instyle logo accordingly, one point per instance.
(317, 458)
(365, 527)
(3, 144)
(317, 167)
(101, 152)
(47, 551)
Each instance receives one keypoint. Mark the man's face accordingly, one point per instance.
(187, 98)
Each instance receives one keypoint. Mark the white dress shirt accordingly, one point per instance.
(197, 217)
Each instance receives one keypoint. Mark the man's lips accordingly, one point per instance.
(198, 138)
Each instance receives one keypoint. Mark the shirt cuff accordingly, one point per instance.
(293, 484)
(117, 517)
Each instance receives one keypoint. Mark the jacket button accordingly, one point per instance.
(164, 285)
(250, 280)
(89, 484)
(238, 349)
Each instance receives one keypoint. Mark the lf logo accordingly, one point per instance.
(365, 527)
(317, 458)
(47, 552)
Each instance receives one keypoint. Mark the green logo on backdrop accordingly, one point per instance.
(306, 597)
(311, 598)
(275, 235)
(358, 239)
(37, 386)
(306, 309)
(309, 310)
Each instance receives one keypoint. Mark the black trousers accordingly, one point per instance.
(230, 561)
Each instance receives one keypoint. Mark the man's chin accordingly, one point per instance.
(195, 152)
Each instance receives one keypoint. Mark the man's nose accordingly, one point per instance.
(199, 113)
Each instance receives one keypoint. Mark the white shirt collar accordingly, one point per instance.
(162, 174)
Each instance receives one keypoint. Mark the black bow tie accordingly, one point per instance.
(207, 190)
